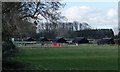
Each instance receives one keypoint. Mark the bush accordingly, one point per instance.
(7, 48)
(117, 41)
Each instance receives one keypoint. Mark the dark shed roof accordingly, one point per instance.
(59, 40)
(106, 41)
(80, 40)
(43, 39)
(29, 39)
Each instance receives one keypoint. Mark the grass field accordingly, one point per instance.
(82, 57)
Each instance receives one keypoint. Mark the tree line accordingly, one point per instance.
(61, 29)
(88, 33)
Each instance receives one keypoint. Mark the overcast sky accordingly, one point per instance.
(98, 14)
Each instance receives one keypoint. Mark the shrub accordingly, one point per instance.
(7, 48)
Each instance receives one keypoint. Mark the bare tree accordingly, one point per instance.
(75, 24)
(45, 10)
(33, 12)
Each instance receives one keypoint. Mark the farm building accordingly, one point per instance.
(80, 40)
(59, 40)
(43, 39)
(30, 39)
(106, 41)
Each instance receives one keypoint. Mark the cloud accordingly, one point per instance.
(76, 13)
(112, 13)
(97, 18)
(85, 13)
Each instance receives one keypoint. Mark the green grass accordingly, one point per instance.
(82, 57)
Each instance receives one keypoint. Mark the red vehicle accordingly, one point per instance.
(56, 44)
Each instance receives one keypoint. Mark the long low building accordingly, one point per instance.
(106, 41)
(80, 40)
